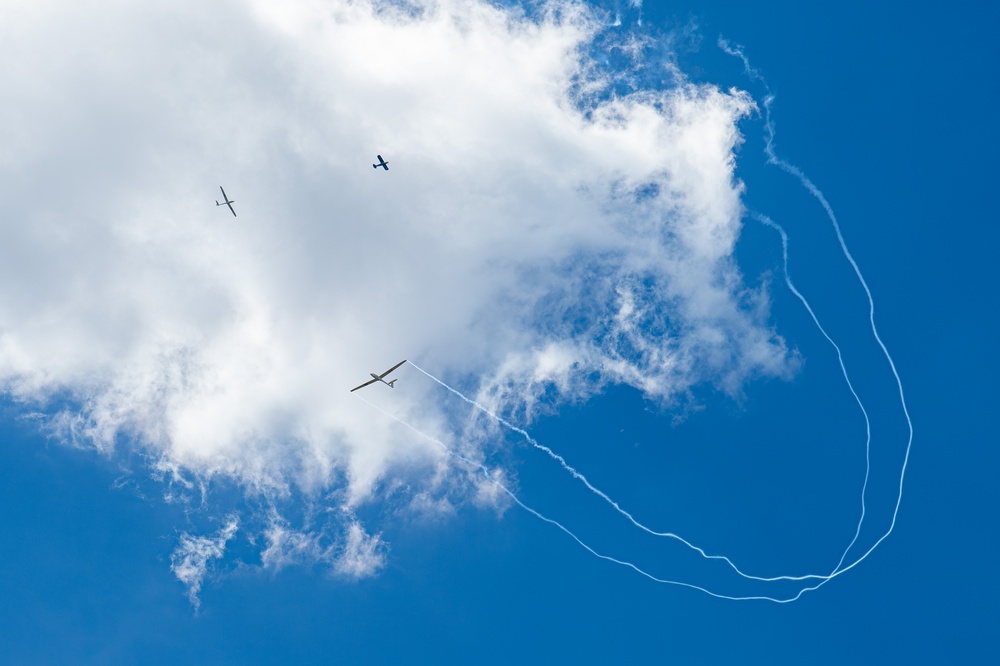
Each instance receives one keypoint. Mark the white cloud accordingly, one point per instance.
(518, 238)
(192, 557)
(361, 555)
(287, 546)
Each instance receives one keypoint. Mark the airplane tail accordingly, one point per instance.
(391, 383)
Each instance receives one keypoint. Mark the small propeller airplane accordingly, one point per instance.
(380, 378)
(381, 163)
(227, 202)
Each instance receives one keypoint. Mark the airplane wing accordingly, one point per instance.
(370, 381)
(391, 369)
(230, 204)
(224, 197)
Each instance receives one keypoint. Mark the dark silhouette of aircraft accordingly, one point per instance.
(381, 163)
(227, 202)
(380, 378)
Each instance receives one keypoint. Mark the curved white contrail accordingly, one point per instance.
(583, 479)
(492, 479)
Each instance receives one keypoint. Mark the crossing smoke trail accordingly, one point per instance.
(583, 479)
(573, 471)
(493, 479)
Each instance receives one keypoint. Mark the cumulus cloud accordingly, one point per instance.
(540, 234)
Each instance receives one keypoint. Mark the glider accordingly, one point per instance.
(380, 378)
(227, 202)
(381, 163)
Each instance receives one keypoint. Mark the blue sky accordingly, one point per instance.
(168, 373)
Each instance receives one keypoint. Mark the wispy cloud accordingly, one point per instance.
(288, 546)
(362, 554)
(193, 556)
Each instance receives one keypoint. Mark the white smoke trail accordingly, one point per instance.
(583, 479)
(765, 220)
(494, 480)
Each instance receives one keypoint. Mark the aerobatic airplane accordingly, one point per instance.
(227, 202)
(380, 378)
(381, 163)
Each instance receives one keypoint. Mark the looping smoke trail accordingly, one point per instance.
(589, 549)
(772, 158)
